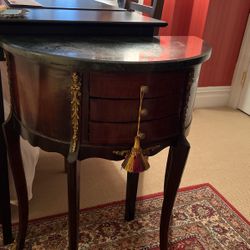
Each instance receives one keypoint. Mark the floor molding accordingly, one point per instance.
(208, 97)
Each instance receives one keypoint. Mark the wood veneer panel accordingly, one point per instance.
(109, 110)
(124, 85)
(42, 93)
(124, 133)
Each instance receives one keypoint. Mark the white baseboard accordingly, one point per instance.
(208, 97)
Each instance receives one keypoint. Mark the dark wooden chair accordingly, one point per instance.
(83, 106)
(153, 10)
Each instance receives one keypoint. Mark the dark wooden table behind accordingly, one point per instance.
(79, 18)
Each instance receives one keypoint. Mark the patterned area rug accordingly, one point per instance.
(202, 219)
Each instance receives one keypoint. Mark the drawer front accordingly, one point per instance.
(124, 133)
(127, 86)
(114, 103)
(115, 110)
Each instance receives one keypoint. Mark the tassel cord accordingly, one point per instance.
(139, 113)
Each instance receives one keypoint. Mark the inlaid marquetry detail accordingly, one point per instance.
(146, 151)
(75, 91)
(190, 91)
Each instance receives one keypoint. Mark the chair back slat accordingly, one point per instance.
(154, 10)
(142, 8)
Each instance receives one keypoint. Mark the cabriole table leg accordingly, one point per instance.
(177, 157)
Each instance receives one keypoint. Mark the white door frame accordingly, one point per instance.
(241, 69)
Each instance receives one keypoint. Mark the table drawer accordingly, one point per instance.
(120, 110)
(124, 133)
(124, 85)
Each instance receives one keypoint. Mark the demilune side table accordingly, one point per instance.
(80, 97)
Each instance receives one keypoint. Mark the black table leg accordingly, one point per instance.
(132, 184)
(73, 173)
(15, 161)
(177, 157)
(5, 212)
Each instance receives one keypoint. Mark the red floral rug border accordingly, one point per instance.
(202, 219)
(148, 196)
(220, 195)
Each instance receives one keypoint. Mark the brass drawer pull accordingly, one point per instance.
(144, 89)
(144, 112)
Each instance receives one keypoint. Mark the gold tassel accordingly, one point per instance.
(135, 161)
